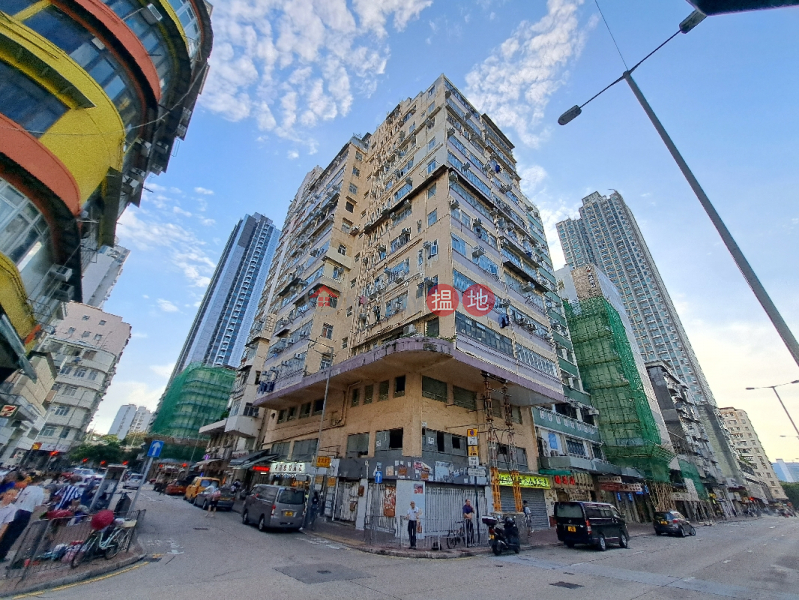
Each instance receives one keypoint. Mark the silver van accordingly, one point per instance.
(274, 506)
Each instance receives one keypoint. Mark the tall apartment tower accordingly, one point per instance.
(100, 277)
(378, 302)
(747, 444)
(607, 235)
(219, 332)
(130, 419)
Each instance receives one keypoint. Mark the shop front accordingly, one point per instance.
(574, 486)
(533, 488)
(629, 497)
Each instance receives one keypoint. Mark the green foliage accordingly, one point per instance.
(109, 451)
(792, 491)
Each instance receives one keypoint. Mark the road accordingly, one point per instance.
(221, 558)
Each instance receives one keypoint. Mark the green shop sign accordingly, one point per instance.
(526, 481)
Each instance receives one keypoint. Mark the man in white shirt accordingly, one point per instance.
(413, 518)
(27, 501)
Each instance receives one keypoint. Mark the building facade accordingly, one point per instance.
(94, 94)
(747, 444)
(607, 235)
(388, 255)
(219, 332)
(101, 275)
(130, 419)
(786, 471)
(85, 348)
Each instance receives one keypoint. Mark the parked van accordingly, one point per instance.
(592, 523)
(198, 485)
(274, 506)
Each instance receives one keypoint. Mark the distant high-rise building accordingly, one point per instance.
(219, 332)
(130, 419)
(606, 234)
(786, 471)
(101, 275)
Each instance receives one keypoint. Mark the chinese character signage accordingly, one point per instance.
(525, 481)
(478, 300)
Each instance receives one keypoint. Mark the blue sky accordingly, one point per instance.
(291, 80)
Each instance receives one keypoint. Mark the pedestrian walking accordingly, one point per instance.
(27, 501)
(468, 522)
(213, 496)
(9, 480)
(413, 523)
(68, 493)
(7, 510)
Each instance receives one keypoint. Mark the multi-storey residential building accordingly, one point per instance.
(219, 332)
(94, 94)
(366, 350)
(747, 444)
(130, 419)
(86, 347)
(607, 235)
(689, 438)
(101, 275)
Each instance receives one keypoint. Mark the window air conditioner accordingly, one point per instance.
(60, 272)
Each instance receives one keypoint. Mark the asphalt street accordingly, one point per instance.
(221, 558)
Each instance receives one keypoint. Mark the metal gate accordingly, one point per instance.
(347, 500)
(444, 508)
(535, 501)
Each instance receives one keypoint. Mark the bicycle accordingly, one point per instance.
(109, 545)
(458, 536)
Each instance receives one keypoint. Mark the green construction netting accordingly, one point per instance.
(196, 397)
(689, 471)
(610, 375)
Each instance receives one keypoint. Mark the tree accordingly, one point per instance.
(792, 491)
(95, 454)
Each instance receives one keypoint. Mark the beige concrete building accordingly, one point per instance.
(747, 444)
(85, 348)
(375, 246)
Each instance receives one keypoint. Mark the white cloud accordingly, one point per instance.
(180, 246)
(208, 222)
(515, 82)
(167, 306)
(179, 211)
(204, 191)
(139, 334)
(289, 64)
(292, 154)
(163, 370)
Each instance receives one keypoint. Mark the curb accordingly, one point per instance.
(69, 579)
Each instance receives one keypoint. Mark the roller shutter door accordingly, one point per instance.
(535, 500)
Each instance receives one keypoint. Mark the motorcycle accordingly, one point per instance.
(502, 537)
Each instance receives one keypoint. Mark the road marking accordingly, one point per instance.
(72, 585)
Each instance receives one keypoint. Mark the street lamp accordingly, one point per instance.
(743, 265)
(774, 389)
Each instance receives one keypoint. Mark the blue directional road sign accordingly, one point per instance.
(378, 476)
(155, 448)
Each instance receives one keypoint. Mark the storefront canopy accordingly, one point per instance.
(245, 462)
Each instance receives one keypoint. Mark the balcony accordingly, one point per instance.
(595, 465)
(558, 422)
(244, 426)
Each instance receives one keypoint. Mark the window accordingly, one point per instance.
(368, 393)
(80, 372)
(326, 361)
(358, 156)
(60, 411)
(49, 430)
(352, 283)
(69, 390)
(431, 144)
(26, 102)
(433, 250)
(432, 217)
(292, 414)
(457, 442)
(102, 322)
(303, 450)
(64, 433)
(89, 354)
(305, 410)
(338, 272)
(327, 330)
(355, 397)
(434, 389)
(432, 328)
(357, 445)
(85, 318)
(399, 386)
(346, 226)
(395, 439)
(575, 447)
(70, 331)
(342, 249)
(464, 398)
(350, 207)
(481, 333)
(431, 191)
(344, 340)
(65, 370)
(458, 245)
(431, 166)
(356, 172)
(281, 449)
(318, 406)
(353, 189)
(85, 334)
(382, 393)
(440, 446)
(97, 337)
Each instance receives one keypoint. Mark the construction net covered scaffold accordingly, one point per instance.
(197, 396)
(629, 433)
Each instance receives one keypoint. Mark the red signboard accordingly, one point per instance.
(261, 469)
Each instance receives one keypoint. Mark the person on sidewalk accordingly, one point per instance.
(468, 523)
(213, 497)
(27, 501)
(413, 521)
(68, 493)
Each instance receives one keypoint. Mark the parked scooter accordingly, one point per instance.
(503, 537)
